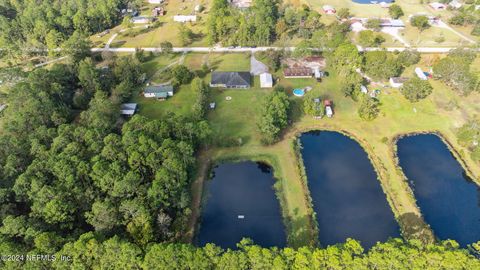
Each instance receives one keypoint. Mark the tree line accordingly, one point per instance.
(47, 24)
(91, 251)
(71, 165)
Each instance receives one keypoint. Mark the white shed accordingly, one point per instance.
(397, 82)
(266, 80)
(156, 2)
(185, 18)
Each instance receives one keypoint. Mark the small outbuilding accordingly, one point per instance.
(330, 10)
(455, 4)
(159, 92)
(185, 18)
(156, 2)
(266, 80)
(438, 6)
(142, 20)
(363, 89)
(128, 109)
(397, 82)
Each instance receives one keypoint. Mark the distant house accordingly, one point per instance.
(438, 6)
(455, 4)
(391, 23)
(158, 11)
(160, 92)
(155, 2)
(185, 18)
(266, 80)
(302, 72)
(128, 109)
(329, 9)
(421, 74)
(231, 79)
(397, 82)
(242, 4)
(141, 20)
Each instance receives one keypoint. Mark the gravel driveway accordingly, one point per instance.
(257, 67)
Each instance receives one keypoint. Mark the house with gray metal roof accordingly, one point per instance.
(158, 91)
(231, 79)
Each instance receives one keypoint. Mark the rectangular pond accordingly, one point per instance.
(448, 199)
(347, 197)
(241, 202)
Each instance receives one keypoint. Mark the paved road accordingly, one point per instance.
(258, 49)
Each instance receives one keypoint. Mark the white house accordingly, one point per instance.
(329, 9)
(420, 74)
(142, 20)
(438, 6)
(266, 80)
(397, 82)
(160, 92)
(455, 4)
(185, 18)
(156, 2)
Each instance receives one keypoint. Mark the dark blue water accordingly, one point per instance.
(241, 189)
(448, 199)
(346, 194)
(370, 1)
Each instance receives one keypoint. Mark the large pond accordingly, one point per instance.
(347, 196)
(449, 200)
(241, 202)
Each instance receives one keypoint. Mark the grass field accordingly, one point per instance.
(444, 111)
(168, 29)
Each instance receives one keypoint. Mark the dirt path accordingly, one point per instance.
(197, 192)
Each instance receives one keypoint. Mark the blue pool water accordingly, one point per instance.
(299, 92)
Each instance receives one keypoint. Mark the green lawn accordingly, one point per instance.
(229, 62)
(181, 103)
(168, 29)
(443, 111)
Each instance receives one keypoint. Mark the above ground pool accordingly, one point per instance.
(372, 1)
(241, 202)
(299, 92)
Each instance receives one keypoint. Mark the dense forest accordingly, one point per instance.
(91, 251)
(260, 25)
(28, 25)
(70, 165)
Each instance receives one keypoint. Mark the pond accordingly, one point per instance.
(241, 202)
(448, 199)
(347, 197)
